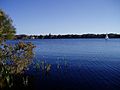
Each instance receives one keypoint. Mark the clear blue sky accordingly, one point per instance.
(63, 16)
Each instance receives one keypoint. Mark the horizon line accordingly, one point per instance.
(67, 34)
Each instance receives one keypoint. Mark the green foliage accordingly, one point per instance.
(14, 59)
(7, 30)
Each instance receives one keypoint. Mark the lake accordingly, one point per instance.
(75, 64)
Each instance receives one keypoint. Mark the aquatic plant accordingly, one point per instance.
(15, 59)
(48, 67)
(58, 66)
(25, 80)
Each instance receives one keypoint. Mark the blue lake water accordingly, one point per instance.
(77, 64)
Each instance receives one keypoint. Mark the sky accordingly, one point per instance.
(63, 16)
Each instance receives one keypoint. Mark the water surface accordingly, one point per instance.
(81, 64)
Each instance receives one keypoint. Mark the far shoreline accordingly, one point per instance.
(68, 36)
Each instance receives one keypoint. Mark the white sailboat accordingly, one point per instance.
(106, 37)
(32, 37)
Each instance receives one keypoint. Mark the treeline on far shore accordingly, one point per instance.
(67, 36)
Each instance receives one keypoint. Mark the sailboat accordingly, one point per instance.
(106, 37)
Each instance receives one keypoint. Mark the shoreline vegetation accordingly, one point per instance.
(14, 59)
(67, 36)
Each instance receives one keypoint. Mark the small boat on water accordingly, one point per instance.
(106, 37)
